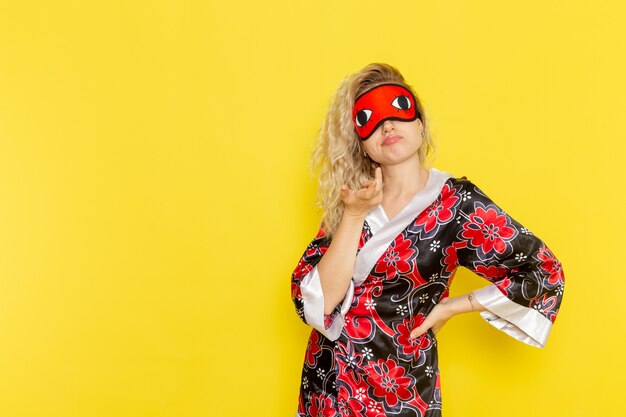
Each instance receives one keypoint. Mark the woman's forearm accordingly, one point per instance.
(462, 304)
(445, 310)
(337, 264)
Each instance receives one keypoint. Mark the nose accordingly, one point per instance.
(387, 126)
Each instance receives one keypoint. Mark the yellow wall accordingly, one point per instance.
(155, 195)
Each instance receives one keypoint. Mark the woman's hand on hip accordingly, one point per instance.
(438, 316)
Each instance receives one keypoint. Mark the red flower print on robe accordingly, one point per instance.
(313, 349)
(389, 381)
(440, 211)
(451, 259)
(551, 265)
(411, 349)
(491, 272)
(545, 305)
(397, 258)
(504, 285)
(321, 406)
(348, 405)
(488, 230)
(374, 409)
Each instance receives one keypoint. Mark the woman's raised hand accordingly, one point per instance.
(362, 201)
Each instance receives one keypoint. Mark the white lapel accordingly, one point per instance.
(385, 231)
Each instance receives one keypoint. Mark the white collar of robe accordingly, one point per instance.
(385, 231)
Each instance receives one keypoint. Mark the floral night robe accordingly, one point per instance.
(360, 360)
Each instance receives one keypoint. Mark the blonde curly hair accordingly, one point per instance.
(338, 156)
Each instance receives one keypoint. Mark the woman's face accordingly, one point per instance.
(394, 141)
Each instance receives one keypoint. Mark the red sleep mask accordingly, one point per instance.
(383, 102)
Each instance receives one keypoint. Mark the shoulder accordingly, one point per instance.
(465, 192)
(460, 182)
(462, 191)
(459, 186)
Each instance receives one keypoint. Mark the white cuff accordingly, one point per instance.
(313, 300)
(522, 323)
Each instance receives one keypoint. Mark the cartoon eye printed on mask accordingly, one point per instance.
(362, 117)
(401, 102)
(384, 102)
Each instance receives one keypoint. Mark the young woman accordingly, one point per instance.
(374, 282)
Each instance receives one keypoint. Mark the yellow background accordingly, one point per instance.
(155, 195)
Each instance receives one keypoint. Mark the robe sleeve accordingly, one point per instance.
(527, 280)
(307, 295)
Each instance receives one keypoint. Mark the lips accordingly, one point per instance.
(392, 139)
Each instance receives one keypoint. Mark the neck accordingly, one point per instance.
(407, 177)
